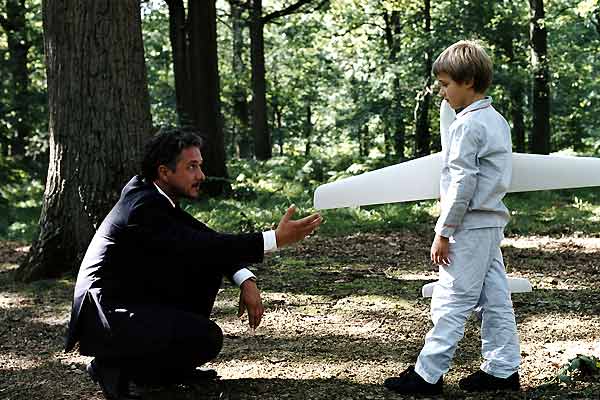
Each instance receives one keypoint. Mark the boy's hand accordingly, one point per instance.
(439, 250)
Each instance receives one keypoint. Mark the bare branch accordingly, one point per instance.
(286, 11)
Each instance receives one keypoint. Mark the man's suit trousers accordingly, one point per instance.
(154, 342)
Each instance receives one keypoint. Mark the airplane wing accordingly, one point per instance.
(419, 180)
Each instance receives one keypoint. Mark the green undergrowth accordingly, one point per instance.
(20, 204)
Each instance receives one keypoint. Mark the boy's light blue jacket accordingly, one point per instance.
(476, 170)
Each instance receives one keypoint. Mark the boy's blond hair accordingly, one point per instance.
(464, 61)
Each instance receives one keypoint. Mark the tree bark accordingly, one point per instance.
(278, 115)
(515, 91)
(195, 66)
(181, 68)
(364, 141)
(240, 102)
(308, 129)
(516, 111)
(540, 135)
(99, 118)
(205, 91)
(393, 29)
(260, 126)
(422, 132)
(18, 43)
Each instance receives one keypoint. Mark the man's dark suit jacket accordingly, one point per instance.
(148, 252)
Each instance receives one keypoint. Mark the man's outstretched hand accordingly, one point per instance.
(289, 231)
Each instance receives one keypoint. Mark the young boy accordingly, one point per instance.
(476, 173)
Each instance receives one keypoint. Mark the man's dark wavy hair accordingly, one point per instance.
(165, 148)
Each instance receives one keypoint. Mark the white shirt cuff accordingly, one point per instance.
(270, 241)
(242, 275)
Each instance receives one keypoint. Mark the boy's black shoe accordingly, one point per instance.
(409, 382)
(483, 382)
(112, 382)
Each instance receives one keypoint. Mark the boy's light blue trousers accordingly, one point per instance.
(476, 278)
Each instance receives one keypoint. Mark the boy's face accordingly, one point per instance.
(458, 95)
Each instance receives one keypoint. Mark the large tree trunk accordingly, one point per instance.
(540, 135)
(260, 127)
(15, 26)
(205, 91)
(99, 118)
(195, 66)
(422, 133)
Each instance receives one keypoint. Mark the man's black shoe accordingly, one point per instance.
(114, 386)
(483, 382)
(191, 376)
(409, 382)
(199, 376)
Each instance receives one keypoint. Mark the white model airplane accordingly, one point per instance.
(419, 179)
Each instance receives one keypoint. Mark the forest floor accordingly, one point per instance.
(343, 314)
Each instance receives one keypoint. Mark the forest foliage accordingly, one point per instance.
(346, 82)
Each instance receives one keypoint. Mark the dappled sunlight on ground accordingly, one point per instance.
(342, 314)
(547, 243)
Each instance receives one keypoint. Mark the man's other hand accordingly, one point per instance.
(289, 231)
(250, 300)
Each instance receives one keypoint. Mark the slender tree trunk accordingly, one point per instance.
(260, 127)
(260, 124)
(516, 97)
(364, 141)
(516, 111)
(577, 134)
(540, 135)
(240, 102)
(400, 129)
(205, 91)
(278, 116)
(96, 71)
(18, 43)
(393, 30)
(195, 65)
(308, 129)
(181, 68)
(422, 132)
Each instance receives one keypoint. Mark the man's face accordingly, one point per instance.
(186, 179)
(456, 94)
